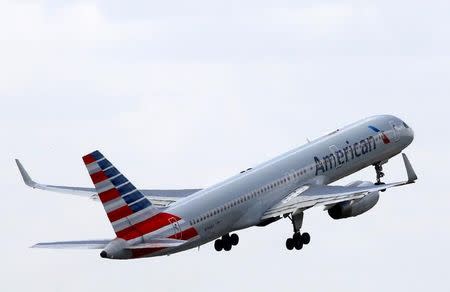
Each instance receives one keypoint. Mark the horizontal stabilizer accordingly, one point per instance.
(82, 244)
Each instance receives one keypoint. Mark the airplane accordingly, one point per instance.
(150, 223)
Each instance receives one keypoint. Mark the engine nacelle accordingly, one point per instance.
(354, 207)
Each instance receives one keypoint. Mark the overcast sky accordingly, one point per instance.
(186, 93)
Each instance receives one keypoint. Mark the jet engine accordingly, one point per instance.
(354, 207)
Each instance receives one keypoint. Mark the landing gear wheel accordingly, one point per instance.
(227, 245)
(290, 244)
(218, 245)
(380, 183)
(298, 239)
(234, 238)
(306, 238)
(298, 244)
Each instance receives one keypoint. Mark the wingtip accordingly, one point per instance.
(412, 177)
(25, 176)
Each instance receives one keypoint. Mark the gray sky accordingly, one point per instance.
(185, 94)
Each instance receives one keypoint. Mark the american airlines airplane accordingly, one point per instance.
(151, 223)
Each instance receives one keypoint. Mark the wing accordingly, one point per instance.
(309, 196)
(83, 244)
(163, 198)
(159, 198)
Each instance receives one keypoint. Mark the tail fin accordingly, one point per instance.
(123, 203)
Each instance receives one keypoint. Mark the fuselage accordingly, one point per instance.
(240, 201)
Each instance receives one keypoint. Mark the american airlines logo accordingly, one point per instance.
(383, 136)
(350, 152)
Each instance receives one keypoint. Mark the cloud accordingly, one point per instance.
(80, 22)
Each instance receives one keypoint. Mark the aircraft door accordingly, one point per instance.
(395, 131)
(176, 228)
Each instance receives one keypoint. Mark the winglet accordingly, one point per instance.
(412, 177)
(25, 176)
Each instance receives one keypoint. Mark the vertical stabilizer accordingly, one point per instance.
(125, 205)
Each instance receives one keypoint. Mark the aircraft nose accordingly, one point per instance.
(408, 134)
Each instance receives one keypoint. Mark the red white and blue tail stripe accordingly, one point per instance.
(119, 196)
(131, 214)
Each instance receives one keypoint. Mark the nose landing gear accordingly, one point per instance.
(379, 170)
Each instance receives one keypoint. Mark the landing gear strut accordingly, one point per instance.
(298, 239)
(379, 171)
(226, 242)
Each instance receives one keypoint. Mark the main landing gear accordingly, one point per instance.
(298, 239)
(379, 170)
(226, 242)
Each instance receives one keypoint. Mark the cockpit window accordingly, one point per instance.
(406, 126)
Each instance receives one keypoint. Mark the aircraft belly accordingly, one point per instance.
(250, 215)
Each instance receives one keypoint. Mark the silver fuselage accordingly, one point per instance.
(240, 201)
